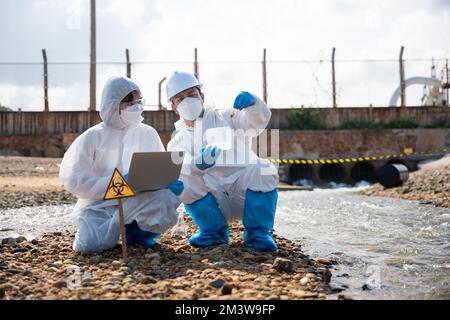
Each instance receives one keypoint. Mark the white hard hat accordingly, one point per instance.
(179, 82)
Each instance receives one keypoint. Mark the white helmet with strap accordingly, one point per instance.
(179, 82)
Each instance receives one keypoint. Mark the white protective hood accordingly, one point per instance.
(89, 162)
(115, 90)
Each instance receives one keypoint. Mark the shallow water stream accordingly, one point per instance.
(394, 249)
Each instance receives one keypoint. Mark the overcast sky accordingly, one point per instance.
(166, 31)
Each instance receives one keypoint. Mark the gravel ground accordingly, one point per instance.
(31, 182)
(430, 185)
(42, 268)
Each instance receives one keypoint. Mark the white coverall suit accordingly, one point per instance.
(87, 168)
(232, 174)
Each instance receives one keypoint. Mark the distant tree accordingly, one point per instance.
(4, 109)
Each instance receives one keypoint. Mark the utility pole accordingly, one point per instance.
(92, 100)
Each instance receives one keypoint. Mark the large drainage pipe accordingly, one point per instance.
(301, 172)
(363, 171)
(332, 173)
(392, 175)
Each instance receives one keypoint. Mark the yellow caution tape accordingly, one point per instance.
(407, 152)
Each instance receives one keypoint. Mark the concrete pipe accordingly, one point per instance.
(392, 175)
(332, 173)
(363, 171)
(301, 172)
(411, 165)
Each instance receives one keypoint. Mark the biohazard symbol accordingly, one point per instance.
(118, 187)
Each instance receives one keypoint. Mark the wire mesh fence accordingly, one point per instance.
(289, 84)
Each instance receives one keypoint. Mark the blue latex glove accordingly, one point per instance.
(176, 187)
(244, 100)
(125, 176)
(207, 157)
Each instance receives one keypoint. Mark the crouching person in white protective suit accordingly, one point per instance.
(89, 163)
(222, 185)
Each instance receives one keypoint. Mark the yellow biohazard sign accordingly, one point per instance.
(118, 187)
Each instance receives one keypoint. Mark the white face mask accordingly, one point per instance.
(190, 108)
(132, 115)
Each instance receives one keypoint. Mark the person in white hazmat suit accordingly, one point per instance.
(223, 185)
(89, 163)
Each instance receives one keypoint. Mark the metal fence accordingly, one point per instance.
(323, 82)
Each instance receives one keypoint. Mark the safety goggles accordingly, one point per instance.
(193, 94)
(140, 101)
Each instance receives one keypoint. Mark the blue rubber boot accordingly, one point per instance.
(210, 220)
(136, 235)
(130, 233)
(259, 215)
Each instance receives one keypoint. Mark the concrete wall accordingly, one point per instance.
(293, 144)
(314, 144)
(340, 144)
(332, 118)
(36, 123)
(34, 146)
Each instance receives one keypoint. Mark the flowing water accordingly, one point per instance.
(31, 222)
(385, 248)
(394, 249)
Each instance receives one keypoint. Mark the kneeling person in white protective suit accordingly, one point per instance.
(217, 192)
(89, 163)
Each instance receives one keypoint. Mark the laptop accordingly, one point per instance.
(150, 171)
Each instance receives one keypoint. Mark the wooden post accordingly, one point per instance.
(92, 102)
(160, 105)
(127, 54)
(46, 107)
(44, 56)
(122, 231)
(333, 77)
(402, 79)
(264, 75)
(196, 73)
(448, 83)
(118, 189)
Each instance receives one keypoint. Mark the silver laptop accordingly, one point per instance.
(151, 171)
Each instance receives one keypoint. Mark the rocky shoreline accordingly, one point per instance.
(430, 185)
(28, 182)
(12, 200)
(48, 268)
